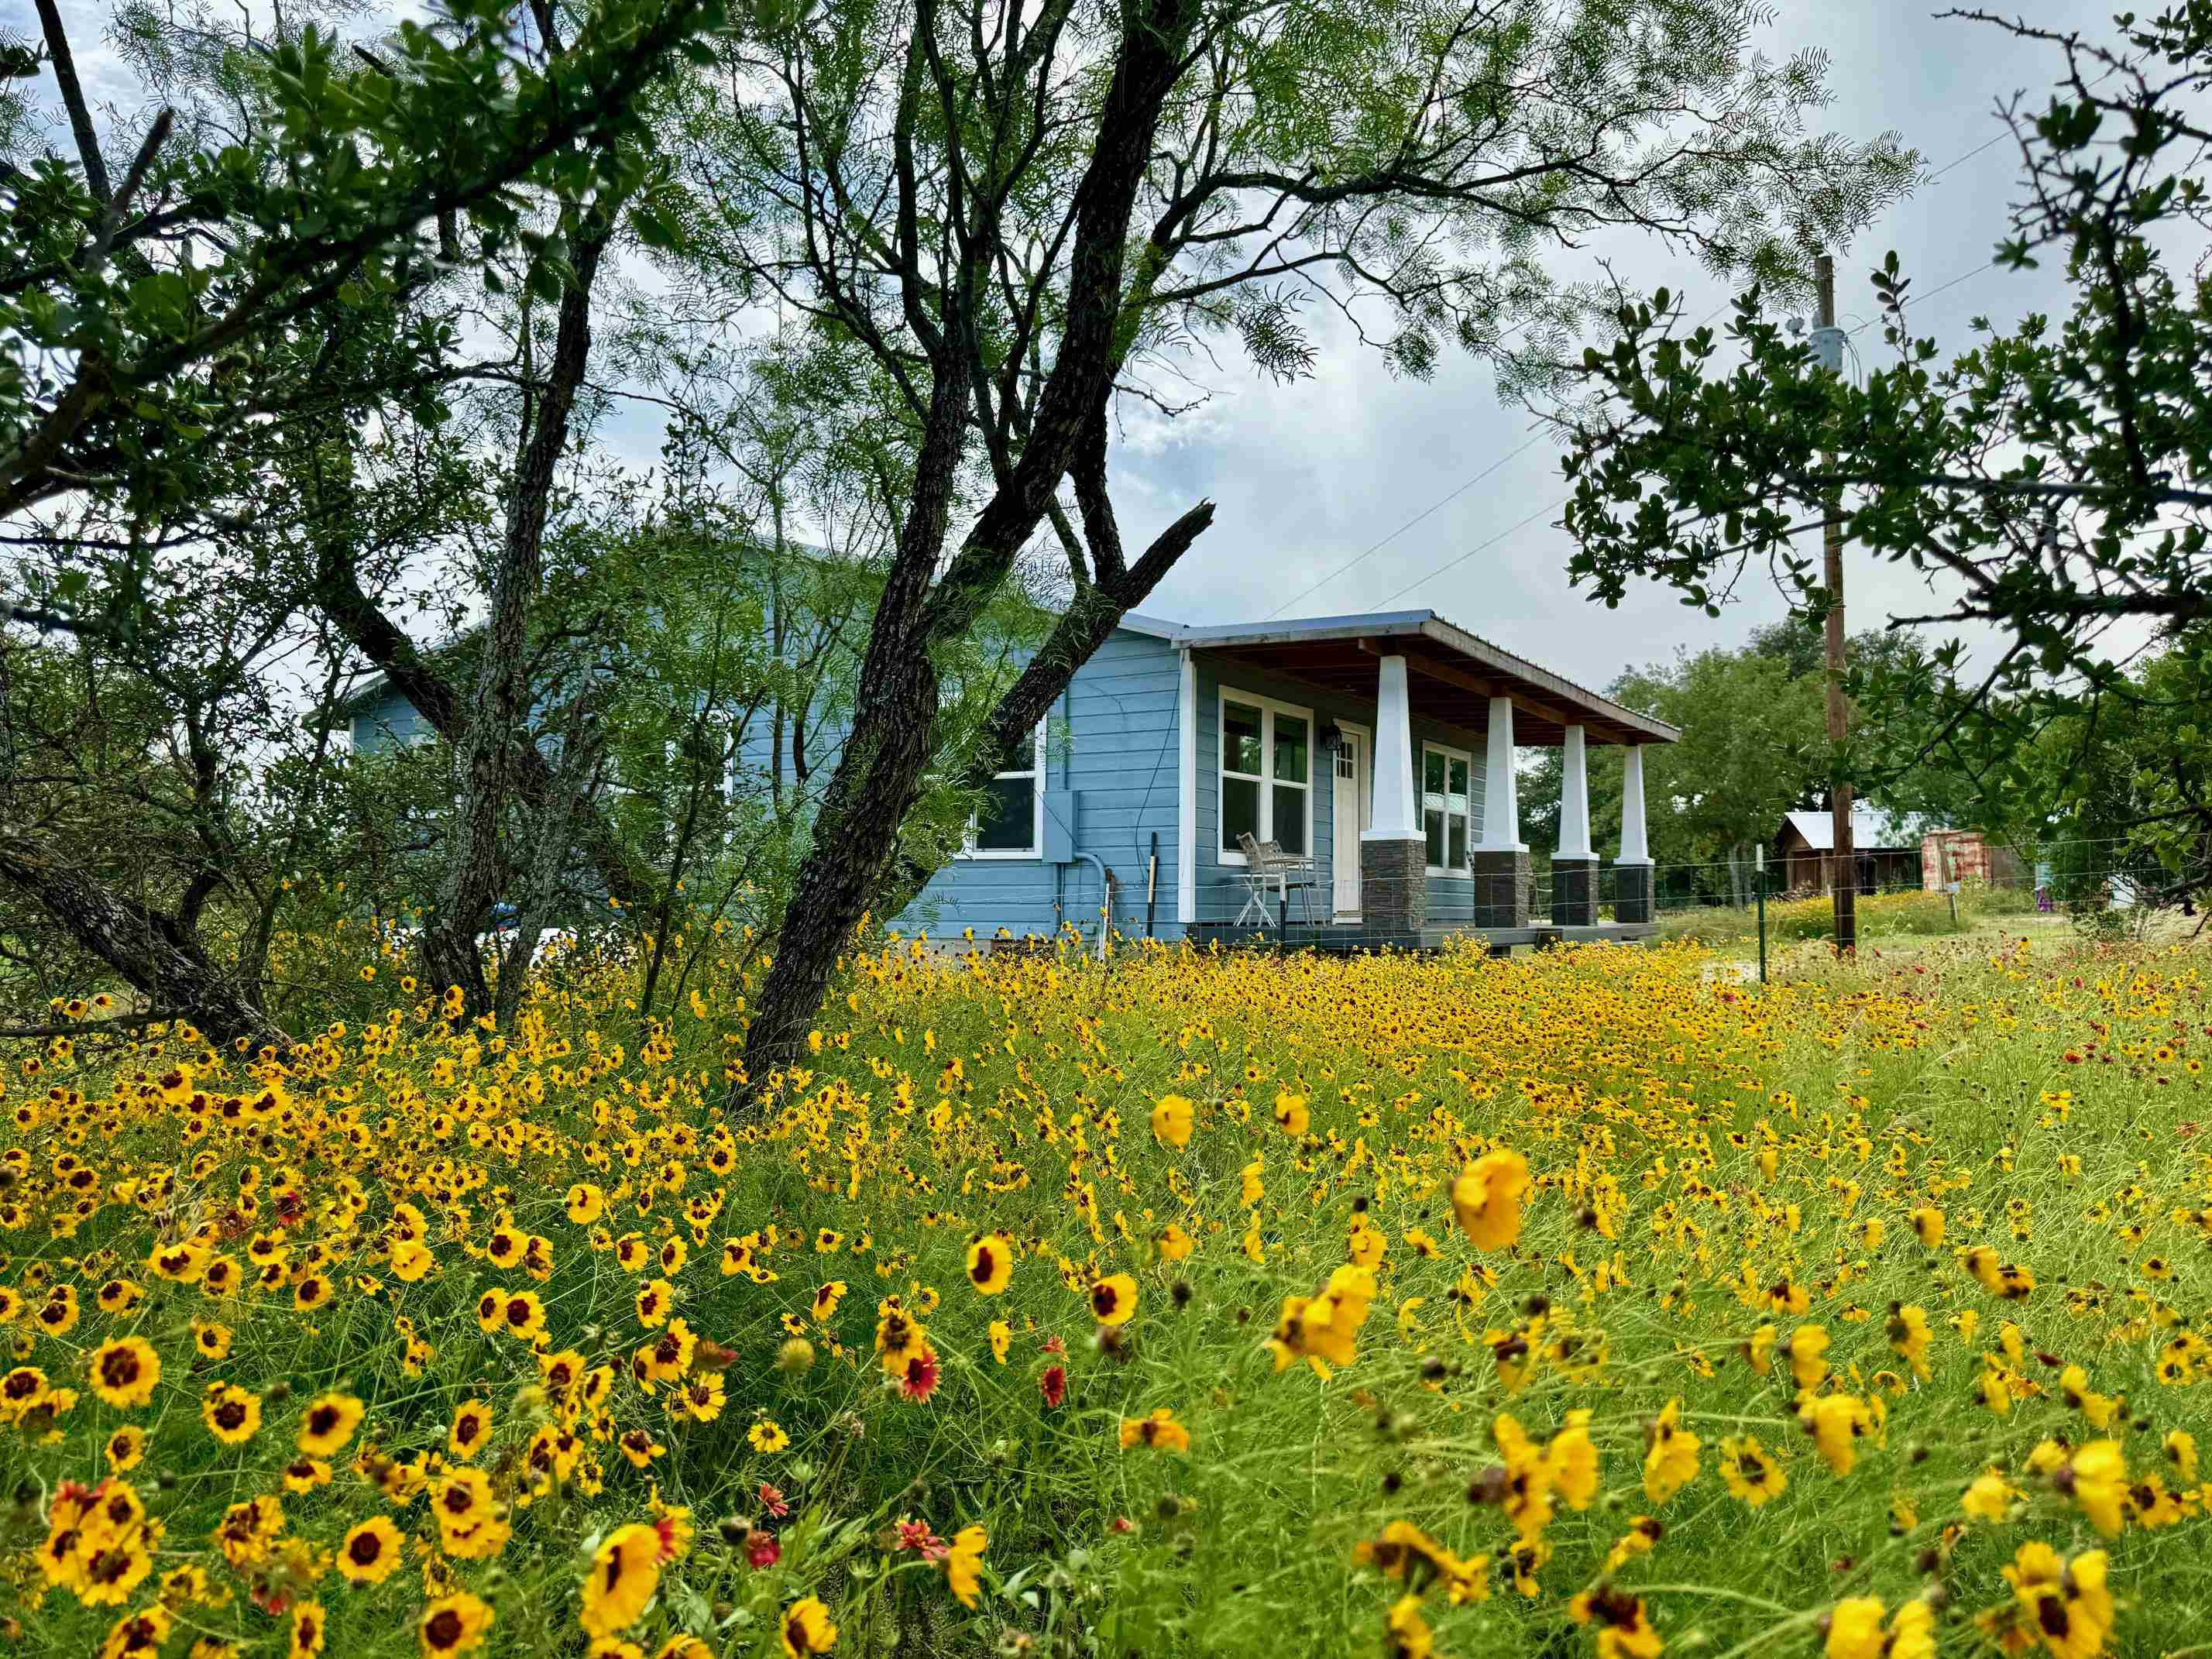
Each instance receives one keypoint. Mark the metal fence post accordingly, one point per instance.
(1759, 878)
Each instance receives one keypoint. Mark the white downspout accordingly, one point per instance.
(1186, 792)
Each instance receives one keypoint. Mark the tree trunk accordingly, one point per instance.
(477, 865)
(156, 955)
(852, 864)
(856, 835)
(339, 595)
(848, 867)
(572, 786)
(152, 953)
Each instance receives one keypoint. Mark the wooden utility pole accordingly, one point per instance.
(1828, 342)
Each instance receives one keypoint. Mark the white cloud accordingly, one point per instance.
(1308, 476)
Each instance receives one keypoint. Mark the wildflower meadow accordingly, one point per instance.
(1186, 1303)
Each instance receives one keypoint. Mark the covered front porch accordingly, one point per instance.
(1424, 839)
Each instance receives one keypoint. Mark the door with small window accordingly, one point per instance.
(1352, 811)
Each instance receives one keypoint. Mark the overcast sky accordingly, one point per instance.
(1308, 477)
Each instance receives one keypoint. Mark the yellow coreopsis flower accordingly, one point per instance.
(625, 1573)
(963, 1564)
(1487, 1199)
(990, 1262)
(2097, 1475)
(451, 1625)
(1809, 1347)
(125, 1371)
(1753, 1476)
(1160, 1431)
(1836, 1421)
(806, 1629)
(1171, 1121)
(1670, 1462)
(1113, 1300)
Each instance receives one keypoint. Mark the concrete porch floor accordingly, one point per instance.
(1540, 933)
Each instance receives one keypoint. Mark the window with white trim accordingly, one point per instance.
(1444, 774)
(1266, 773)
(1010, 823)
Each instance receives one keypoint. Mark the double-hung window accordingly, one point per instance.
(1266, 774)
(1444, 775)
(1010, 822)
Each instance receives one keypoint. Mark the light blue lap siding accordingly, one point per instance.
(1112, 748)
(387, 720)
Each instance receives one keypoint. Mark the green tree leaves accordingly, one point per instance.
(2047, 483)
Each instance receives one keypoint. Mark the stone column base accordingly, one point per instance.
(1393, 892)
(1574, 892)
(1632, 893)
(1504, 888)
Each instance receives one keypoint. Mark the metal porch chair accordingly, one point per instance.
(1268, 868)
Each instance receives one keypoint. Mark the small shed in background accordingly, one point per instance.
(1887, 848)
(1970, 858)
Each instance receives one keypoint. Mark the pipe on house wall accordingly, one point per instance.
(1105, 900)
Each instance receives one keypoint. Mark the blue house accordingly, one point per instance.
(1377, 749)
(1368, 760)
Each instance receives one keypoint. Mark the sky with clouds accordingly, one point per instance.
(1311, 476)
(1308, 477)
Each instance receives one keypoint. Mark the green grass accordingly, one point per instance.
(1640, 1092)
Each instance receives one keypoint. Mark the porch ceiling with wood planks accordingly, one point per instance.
(1453, 673)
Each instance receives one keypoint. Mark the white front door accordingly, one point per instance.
(1353, 810)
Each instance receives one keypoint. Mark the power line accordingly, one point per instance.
(1454, 564)
(1536, 427)
(1537, 432)
(1978, 149)
(1912, 300)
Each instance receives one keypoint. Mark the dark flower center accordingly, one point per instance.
(2051, 1613)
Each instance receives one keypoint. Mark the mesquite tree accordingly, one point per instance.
(1014, 208)
(184, 296)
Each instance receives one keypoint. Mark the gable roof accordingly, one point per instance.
(1342, 649)
(1872, 828)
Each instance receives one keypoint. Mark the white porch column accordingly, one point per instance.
(1633, 848)
(1394, 859)
(1574, 797)
(1501, 791)
(1396, 818)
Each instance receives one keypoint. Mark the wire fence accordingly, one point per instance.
(1956, 883)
